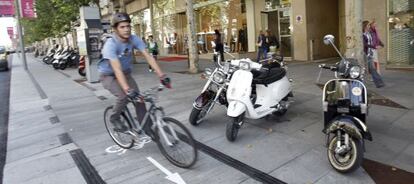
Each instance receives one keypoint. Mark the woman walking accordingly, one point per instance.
(377, 44)
(369, 48)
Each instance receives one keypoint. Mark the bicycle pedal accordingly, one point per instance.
(131, 133)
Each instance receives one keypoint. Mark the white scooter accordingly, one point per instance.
(255, 92)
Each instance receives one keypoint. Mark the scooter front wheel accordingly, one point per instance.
(232, 128)
(55, 65)
(348, 161)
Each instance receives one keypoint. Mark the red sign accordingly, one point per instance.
(6, 8)
(10, 32)
(27, 8)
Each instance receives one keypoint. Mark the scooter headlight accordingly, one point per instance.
(244, 65)
(219, 77)
(355, 72)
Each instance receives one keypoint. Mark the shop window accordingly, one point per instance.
(401, 32)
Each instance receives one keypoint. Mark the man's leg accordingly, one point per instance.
(112, 85)
(259, 54)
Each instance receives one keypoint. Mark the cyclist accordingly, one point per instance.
(115, 69)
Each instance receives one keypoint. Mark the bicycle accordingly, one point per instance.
(167, 132)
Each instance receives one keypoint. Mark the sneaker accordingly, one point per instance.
(118, 125)
(381, 85)
(150, 70)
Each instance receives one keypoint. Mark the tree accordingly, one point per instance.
(193, 55)
(54, 18)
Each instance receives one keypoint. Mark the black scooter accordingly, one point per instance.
(345, 107)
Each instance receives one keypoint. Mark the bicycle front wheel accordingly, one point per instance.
(122, 139)
(176, 143)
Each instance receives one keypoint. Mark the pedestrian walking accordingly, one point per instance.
(369, 54)
(262, 46)
(152, 49)
(272, 41)
(377, 44)
(218, 42)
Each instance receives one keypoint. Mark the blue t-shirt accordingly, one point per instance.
(114, 49)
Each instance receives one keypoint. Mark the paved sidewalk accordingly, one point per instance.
(34, 152)
(284, 148)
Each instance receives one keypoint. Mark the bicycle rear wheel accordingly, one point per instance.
(123, 140)
(183, 151)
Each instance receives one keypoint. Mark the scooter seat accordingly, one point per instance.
(268, 77)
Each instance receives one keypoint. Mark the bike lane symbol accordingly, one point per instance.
(120, 151)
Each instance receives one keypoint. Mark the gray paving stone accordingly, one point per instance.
(384, 148)
(405, 160)
(36, 168)
(306, 168)
(359, 177)
(69, 176)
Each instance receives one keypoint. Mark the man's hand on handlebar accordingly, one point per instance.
(166, 81)
(132, 94)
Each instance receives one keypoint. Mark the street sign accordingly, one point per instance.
(6, 8)
(27, 9)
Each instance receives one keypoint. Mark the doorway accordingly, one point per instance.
(279, 22)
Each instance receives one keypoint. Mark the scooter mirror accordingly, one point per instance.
(328, 39)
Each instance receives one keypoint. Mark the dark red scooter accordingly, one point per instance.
(81, 67)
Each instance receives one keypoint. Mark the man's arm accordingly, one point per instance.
(154, 65)
(120, 77)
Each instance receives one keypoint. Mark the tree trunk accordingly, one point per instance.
(193, 54)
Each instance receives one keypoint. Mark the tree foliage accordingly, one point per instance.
(54, 18)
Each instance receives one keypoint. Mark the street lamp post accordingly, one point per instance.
(19, 28)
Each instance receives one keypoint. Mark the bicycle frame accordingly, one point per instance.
(151, 113)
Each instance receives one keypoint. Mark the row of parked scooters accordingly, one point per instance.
(62, 57)
(255, 90)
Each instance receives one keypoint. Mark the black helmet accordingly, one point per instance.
(120, 17)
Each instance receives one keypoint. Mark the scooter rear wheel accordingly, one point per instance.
(82, 72)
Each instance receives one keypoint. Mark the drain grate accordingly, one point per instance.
(242, 167)
(230, 161)
(102, 98)
(47, 107)
(65, 139)
(89, 173)
(54, 120)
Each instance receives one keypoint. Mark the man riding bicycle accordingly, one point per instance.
(116, 65)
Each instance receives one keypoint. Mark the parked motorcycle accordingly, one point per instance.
(345, 107)
(70, 59)
(214, 91)
(61, 56)
(81, 67)
(49, 57)
(256, 91)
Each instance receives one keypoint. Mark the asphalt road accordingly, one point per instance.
(4, 116)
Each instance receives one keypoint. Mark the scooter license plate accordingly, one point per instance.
(343, 110)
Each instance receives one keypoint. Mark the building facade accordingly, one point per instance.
(298, 24)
